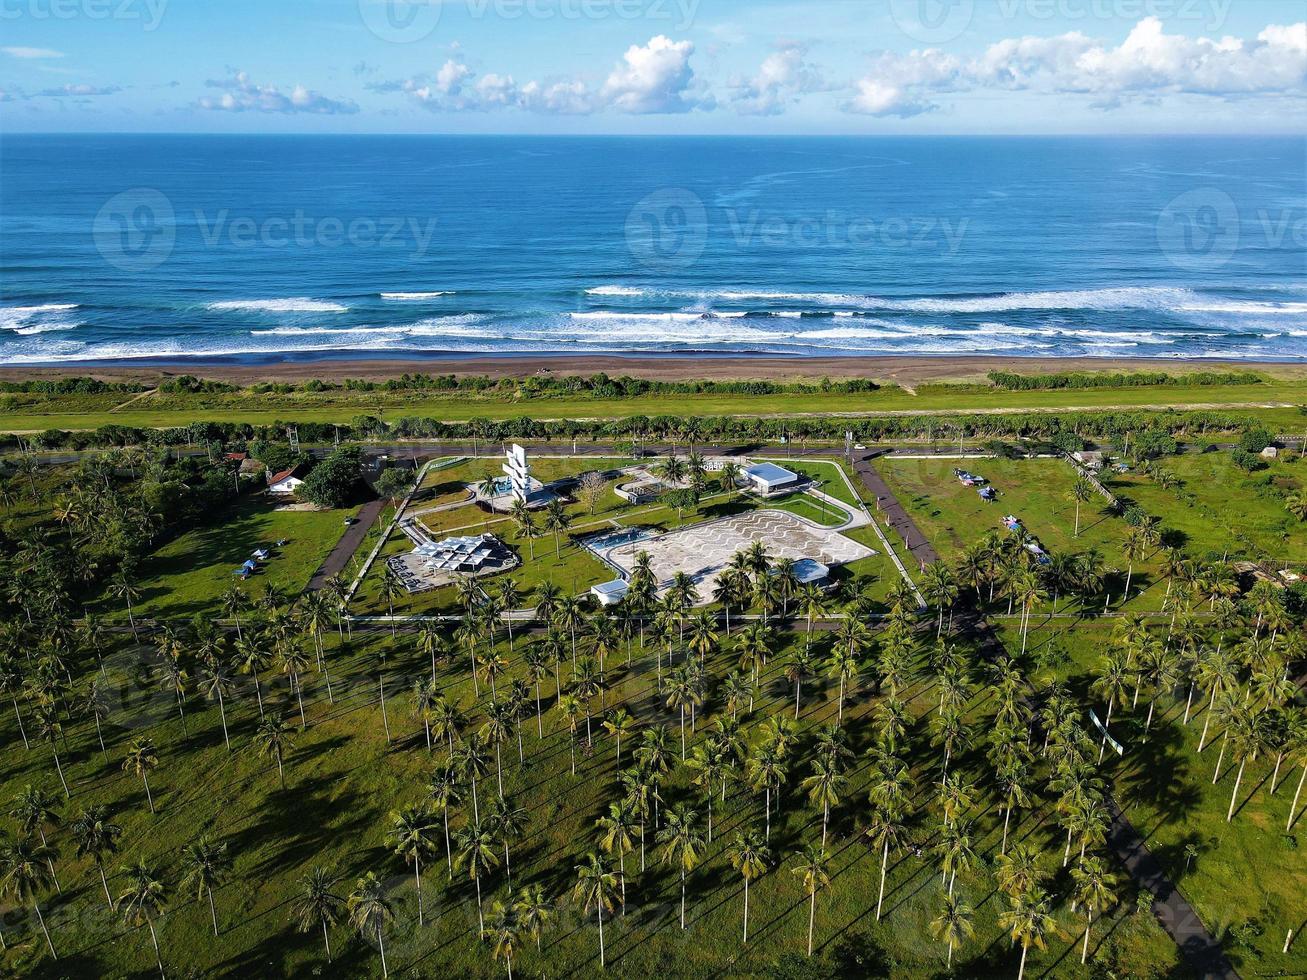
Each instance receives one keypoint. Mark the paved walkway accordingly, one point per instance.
(1173, 911)
(893, 514)
(349, 542)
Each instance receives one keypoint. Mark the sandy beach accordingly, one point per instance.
(896, 370)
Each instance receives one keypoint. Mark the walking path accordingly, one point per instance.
(349, 542)
(1173, 911)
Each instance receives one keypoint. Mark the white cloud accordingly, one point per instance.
(32, 53)
(79, 90)
(655, 78)
(1148, 64)
(242, 95)
(784, 75)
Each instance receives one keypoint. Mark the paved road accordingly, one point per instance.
(1175, 914)
(349, 542)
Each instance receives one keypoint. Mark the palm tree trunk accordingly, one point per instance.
(1021, 972)
(36, 907)
(1234, 797)
(105, 881)
(1289, 826)
(157, 955)
(682, 898)
(1217, 774)
(601, 933)
(381, 945)
(213, 911)
(417, 880)
(60, 768)
(884, 865)
(149, 797)
(222, 712)
(746, 912)
(449, 853)
(326, 939)
(385, 721)
(21, 730)
(812, 917)
(1084, 950)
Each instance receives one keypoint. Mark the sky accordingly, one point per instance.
(653, 67)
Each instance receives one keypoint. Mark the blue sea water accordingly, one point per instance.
(140, 248)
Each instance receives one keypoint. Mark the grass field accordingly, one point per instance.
(34, 413)
(343, 780)
(1218, 508)
(1036, 491)
(189, 574)
(1250, 870)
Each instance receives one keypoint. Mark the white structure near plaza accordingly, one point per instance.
(768, 478)
(518, 472)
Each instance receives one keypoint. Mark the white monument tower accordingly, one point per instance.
(518, 472)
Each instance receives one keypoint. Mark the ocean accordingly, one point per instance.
(267, 248)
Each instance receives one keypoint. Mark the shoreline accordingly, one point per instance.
(885, 369)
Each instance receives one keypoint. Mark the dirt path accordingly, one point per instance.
(133, 400)
(1173, 911)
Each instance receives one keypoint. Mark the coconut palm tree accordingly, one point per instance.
(1018, 870)
(1081, 492)
(318, 905)
(823, 788)
(504, 932)
(596, 889)
(844, 662)
(940, 587)
(95, 836)
(682, 843)
(814, 868)
(799, 666)
(885, 830)
(25, 874)
(750, 856)
(617, 836)
(534, 910)
(508, 823)
(370, 912)
(206, 863)
(34, 809)
(556, 522)
(477, 853)
(410, 837)
(953, 925)
(1245, 731)
(1094, 889)
(274, 739)
(143, 901)
(141, 760)
(1029, 922)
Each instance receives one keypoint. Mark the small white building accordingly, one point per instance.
(609, 593)
(285, 482)
(768, 478)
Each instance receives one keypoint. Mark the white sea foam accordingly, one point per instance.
(1231, 306)
(615, 291)
(291, 305)
(40, 318)
(414, 297)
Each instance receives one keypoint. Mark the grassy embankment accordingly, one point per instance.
(23, 413)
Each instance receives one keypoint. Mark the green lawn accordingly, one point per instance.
(1036, 491)
(1218, 508)
(817, 511)
(189, 574)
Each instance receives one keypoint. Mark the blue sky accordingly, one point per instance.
(654, 66)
